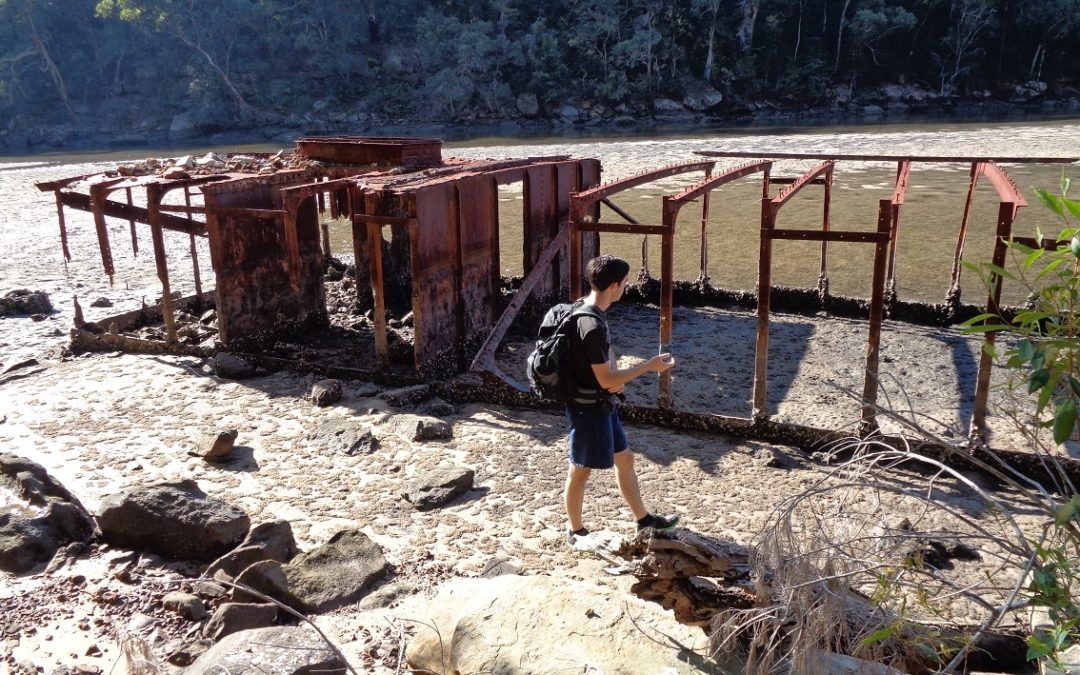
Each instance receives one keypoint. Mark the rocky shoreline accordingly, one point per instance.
(695, 113)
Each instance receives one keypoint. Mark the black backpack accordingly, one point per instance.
(550, 367)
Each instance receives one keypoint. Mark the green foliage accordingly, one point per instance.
(1047, 351)
(458, 58)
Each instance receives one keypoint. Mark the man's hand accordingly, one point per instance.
(662, 362)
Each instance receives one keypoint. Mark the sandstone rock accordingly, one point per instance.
(438, 487)
(230, 367)
(345, 435)
(177, 520)
(280, 650)
(234, 617)
(420, 428)
(387, 595)
(527, 105)
(666, 105)
(25, 542)
(702, 98)
(182, 127)
(185, 604)
(496, 567)
(330, 576)
(510, 624)
(102, 302)
(216, 446)
(326, 392)
(266, 541)
(437, 407)
(569, 113)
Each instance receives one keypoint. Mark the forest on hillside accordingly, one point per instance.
(136, 64)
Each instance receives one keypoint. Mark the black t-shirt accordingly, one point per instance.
(591, 347)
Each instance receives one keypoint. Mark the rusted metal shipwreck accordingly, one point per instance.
(425, 239)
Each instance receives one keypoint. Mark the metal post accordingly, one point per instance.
(953, 296)
(153, 202)
(761, 363)
(823, 272)
(877, 305)
(194, 252)
(63, 227)
(667, 273)
(131, 225)
(1006, 214)
(576, 213)
(382, 352)
(97, 201)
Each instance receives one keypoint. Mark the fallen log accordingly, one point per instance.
(710, 583)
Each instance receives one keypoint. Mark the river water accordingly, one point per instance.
(928, 228)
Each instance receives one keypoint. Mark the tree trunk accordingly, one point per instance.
(707, 73)
(700, 579)
(50, 65)
(840, 33)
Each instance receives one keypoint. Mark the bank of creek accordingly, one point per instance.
(104, 423)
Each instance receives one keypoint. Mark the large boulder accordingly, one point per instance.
(266, 541)
(32, 536)
(25, 301)
(528, 105)
(541, 624)
(420, 427)
(280, 650)
(335, 574)
(177, 520)
(439, 486)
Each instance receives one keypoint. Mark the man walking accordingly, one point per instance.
(597, 440)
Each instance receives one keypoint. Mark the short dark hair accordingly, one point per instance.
(605, 270)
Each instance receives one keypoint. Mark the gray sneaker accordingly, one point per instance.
(573, 537)
(660, 522)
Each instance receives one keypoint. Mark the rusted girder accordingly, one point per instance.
(889, 158)
(605, 190)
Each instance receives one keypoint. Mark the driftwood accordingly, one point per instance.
(707, 583)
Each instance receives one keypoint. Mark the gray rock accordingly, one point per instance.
(185, 653)
(25, 542)
(702, 98)
(326, 392)
(25, 301)
(438, 487)
(421, 428)
(29, 539)
(569, 113)
(234, 617)
(216, 446)
(767, 457)
(497, 567)
(280, 650)
(437, 407)
(387, 595)
(528, 105)
(345, 435)
(185, 604)
(335, 574)
(230, 367)
(210, 589)
(873, 111)
(666, 105)
(102, 302)
(177, 520)
(182, 127)
(266, 541)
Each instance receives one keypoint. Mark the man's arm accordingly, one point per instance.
(610, 377)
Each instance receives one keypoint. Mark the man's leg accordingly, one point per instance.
(574, 495)
(628, 483)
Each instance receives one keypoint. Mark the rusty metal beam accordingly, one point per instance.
(122, 211)
(607, 189)
(877, 305)
(890, 158)
(238, 212)
(485, 357)
(831, 235)
(761, 349)
(63, 226)
(621, 228)
(625, 216)
(709, 184)
(153, 199)
(1006, 188)
(790, 191)
(903, 175)
(1006, 215)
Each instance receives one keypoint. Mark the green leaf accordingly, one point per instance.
(1044, 397)
(1065, 513)
(1025, 350)
(1037, 360)
(1073, 207)
(986, 328)
(1050, 267)
(1037, 649)
(1038, 380)
(1052, 201)
(1074, 384)
(877, 636)
(1038, 253)
(976, 319)
(1064, 421)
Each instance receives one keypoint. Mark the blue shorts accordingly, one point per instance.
(595, 438)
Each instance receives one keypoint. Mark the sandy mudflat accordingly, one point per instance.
(101, 423)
